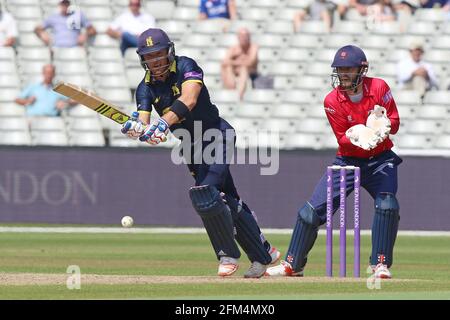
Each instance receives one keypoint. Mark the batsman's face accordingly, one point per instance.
(347, 75)
(158, 63)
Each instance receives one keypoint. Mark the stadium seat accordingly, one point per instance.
(34, 54)
(108, 68)
(319, 69)
(286, 14)
(336, 41)
(87, 139)
(312, 125)
(74, 67)
(8, 94)
(349, 27)
(69, 54)
(29, 40)
(424, 127)
(303, 141)
(329, 141)
(283, 82)
(104, 41)
(279, 125)
(430, 15)
(441, 42)
(79, 111)
(422, 28)
(94, 3)
(198, 40)
(214, 54)
(227, 110)
(46, 124)
(376, 42)
(442, 142)
(387, 28)
(11, 109)
(252, 26)
(224, 95)
(26, 12)
(7, 53)
(285, 68)
(243, 124)
(116, 95)
(251, 110)
(288, 111)
(313, 27)
(269, 40)
(437, 56)
(187, 3)
(9, 81)
(434, 112)
(185, 14)
(300, 97)
(306, 41)
(13, 124)
(407, 112)
(105, 54)
(415, 141)
(437, 97)
(210, 67)
(408, 97)
(296, 54)
(324, 55)
(113, 81)
(311, 82)
(175, 29)
(226, 40)
(256, 14)
(194, 53)
(261, 96)
(315, 111)
(209, 26)
(82, 80)
(98, 13)
(15, 138)
(298, 3)
(162, 10)
(83, 124)
(386, 69)
(134, 76)
(279, 27)
(50, 138)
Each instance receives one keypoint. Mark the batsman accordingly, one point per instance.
(173, 86)
(362, 113)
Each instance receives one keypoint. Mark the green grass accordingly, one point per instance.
(424, 263)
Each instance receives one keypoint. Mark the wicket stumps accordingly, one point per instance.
(342, 220)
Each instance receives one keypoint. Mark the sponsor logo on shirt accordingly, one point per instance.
(349, 118)
(329, 109)
(193, 74)
(387, 97)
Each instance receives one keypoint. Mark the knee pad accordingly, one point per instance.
(308, 215)
(386, 203)
(207, 201)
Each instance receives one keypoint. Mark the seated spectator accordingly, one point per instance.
(216, 9)
(8, 29)
(129, 25)
(415, 74)
(382, 10)
(317, 10)
(361, 5)
(66, 28)
(240, 63)
(40, 99)
(428, 4)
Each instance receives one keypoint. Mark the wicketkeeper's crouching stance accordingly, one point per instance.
(362, 113)
(173, 86)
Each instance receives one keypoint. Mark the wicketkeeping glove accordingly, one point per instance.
(156, 132)
(133, 128)
(363, 137)
(379, 122)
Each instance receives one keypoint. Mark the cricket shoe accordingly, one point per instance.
(274, 254)
(227, 266)
(284, 269)
(381, 271)
(256, 270)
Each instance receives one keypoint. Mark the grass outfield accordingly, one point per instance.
(182, 266)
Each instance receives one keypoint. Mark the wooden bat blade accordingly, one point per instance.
(92, 101)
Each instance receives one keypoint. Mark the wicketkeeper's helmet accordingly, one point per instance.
(349, 56)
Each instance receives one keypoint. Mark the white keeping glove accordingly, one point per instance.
(379, 122)
(363, 137)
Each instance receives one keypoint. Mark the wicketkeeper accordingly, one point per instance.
(173, 86)
(362, 114)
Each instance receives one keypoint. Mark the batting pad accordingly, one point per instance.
(217, 220)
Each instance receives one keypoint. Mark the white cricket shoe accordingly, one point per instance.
(274, 254)
(284, 269)
(256, 270)
(381, 271)
(227, 266)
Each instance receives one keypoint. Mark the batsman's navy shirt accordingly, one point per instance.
(160, 96)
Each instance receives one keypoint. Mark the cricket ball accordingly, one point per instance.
(127, 222)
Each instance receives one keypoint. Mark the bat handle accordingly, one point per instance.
(127, 125)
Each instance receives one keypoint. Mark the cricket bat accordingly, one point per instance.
(92, 101)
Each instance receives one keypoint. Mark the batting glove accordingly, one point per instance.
(156, 133)
(133, 128)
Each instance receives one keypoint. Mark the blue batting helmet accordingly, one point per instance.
(349, 57)
(153, 40)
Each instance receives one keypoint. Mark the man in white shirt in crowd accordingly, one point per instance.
(415, 74)
(129, 25)
(8, 29)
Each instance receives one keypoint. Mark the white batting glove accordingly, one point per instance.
(133, 128)
(363, 137)
(379, 122)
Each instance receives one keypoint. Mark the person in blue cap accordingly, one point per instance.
(362, 113)
(173, 86)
